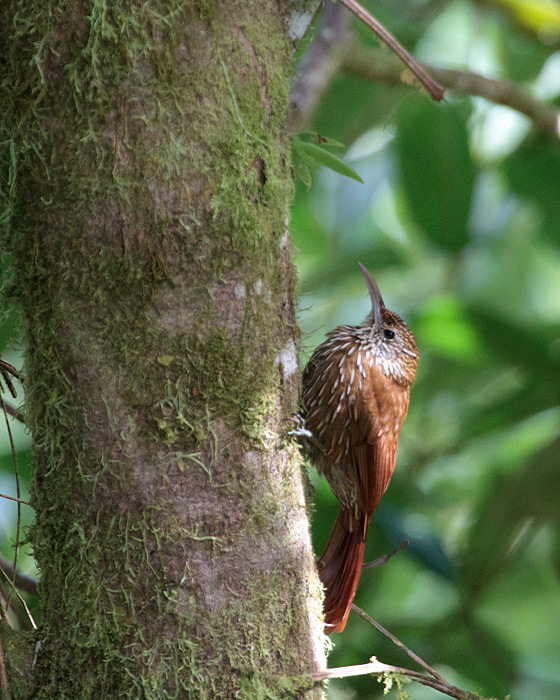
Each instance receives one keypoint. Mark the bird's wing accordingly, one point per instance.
(374, 446)
(374, 466)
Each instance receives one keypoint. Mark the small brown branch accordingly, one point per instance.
(18, 491)
(17, 500)
(375, 65)
(434, 88)
(319, 64)
(434, 680)
(386, 557)
(504, 92)
(21, 580)
(10, 610)
(6, 369)
(357, 670)
(397, 642)
(377, 667)
(12, 411)
(21, 599)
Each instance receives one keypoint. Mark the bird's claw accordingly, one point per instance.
(301, 431)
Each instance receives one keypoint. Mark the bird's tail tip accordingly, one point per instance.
(339, 569)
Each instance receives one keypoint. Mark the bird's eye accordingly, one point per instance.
(389, 334)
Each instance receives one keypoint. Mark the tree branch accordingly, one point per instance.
(397, 642)
(6, 369)
(12, 411)
(379, 66)
(436, 91)
(20, 580)
(434, 681)
(379, 668)
(319, 64)
(385, 558)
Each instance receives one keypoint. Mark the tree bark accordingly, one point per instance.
(147, 185)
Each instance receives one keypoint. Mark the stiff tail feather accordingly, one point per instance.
(340, 567)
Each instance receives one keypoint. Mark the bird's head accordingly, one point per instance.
(392, 342)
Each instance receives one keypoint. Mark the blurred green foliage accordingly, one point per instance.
(459, 221)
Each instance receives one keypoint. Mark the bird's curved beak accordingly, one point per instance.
(376, 299)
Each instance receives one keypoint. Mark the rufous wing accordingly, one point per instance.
(374, 449)
(374, 464)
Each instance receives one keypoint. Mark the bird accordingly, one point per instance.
(355, 396)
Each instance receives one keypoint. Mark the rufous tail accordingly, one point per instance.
(340, 567)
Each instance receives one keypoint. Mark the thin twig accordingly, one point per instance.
(21, 580)
(6, 369)
(434, 681)
(22, 600)
(386, 557)
(13, 498)
(377, 667)
(504, 92)
(12, 411)
(397, 642)
(15, 610)
(356, 670)
(434, 88)
(18, 492)
(375, 65)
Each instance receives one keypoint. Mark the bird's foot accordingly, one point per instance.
(301, 431)
(299, 427)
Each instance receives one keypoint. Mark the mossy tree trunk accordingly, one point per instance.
(147, 185)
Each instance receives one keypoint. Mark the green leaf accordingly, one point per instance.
(534, 173)
(444, 327)
(303, 172)
(437, 170)
(301, 153)
(315, 157)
